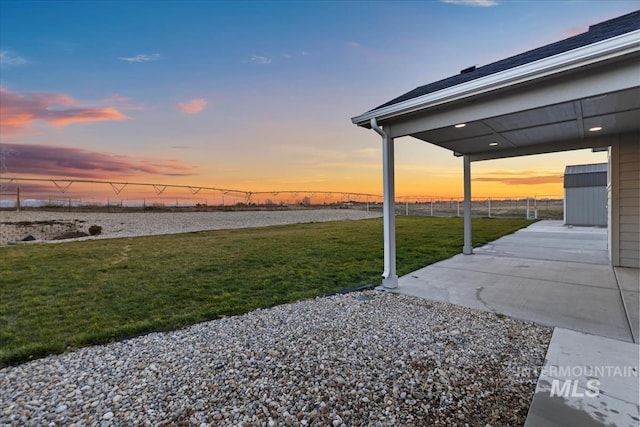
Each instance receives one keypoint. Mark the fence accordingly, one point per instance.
(73, 194)
(528, 207)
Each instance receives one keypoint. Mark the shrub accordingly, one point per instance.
(94, 230)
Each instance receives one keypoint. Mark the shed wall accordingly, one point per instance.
(586, 206)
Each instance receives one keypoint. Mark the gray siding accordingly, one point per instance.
(629, 202)
(586, 206)
(625, 201)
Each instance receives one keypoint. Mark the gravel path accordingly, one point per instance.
(144, 224)
(362, 359)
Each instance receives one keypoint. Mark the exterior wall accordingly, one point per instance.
(585, 206)
(624, 197)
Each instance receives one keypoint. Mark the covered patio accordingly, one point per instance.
(581, 92)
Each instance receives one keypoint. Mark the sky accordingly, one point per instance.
(259, 95)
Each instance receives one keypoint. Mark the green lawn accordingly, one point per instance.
(59, 296)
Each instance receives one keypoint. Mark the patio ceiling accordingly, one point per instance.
(582, 123)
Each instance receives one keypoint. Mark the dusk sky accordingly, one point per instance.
(259, 95)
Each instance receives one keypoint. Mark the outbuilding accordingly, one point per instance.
(585, 195)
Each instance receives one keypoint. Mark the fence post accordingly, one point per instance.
(17, 199)
(406, 207)
(431, 207)
(489, 207)
(528, 208)
(458, 208)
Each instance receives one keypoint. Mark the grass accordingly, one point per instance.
(57, 297)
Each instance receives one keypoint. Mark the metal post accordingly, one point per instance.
(458, 208)
(528, 217)
(467, 249)
(17, 199)
(489, 208)
(406, 207)
(431, 207)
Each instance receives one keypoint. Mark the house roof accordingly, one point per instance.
(592, 168)
(578, 93)
(597, 32)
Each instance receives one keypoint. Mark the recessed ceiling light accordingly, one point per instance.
(460, 125)
(595, 129)
(493, 144)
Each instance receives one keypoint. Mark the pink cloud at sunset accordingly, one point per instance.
(51, 161)
(193, 106)
(18, 111)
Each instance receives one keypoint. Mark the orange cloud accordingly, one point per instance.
(19, 111)
(525, 180)
(193, 106)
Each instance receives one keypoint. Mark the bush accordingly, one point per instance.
(94, 230)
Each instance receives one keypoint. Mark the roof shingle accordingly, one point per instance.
(597, 32)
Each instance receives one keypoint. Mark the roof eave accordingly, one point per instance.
(614, 47)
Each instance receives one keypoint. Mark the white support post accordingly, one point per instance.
(389, 276)
(467, 249)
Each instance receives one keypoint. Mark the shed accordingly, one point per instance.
(585, 194)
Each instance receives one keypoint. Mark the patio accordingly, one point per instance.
(547, 273)
(557, 276)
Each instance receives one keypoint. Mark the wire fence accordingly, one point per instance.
(77, 195)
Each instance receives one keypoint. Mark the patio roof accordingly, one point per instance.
(549, 99)
(582, 92)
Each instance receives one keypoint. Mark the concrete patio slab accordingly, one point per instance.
(629, 281)
(587, 381)
(556, 276)
(590, 304)
(551, 240)
(547, 273)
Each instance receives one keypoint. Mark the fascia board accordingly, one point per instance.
(600, 51)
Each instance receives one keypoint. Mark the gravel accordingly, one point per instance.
(153, 223)
(361, 359)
